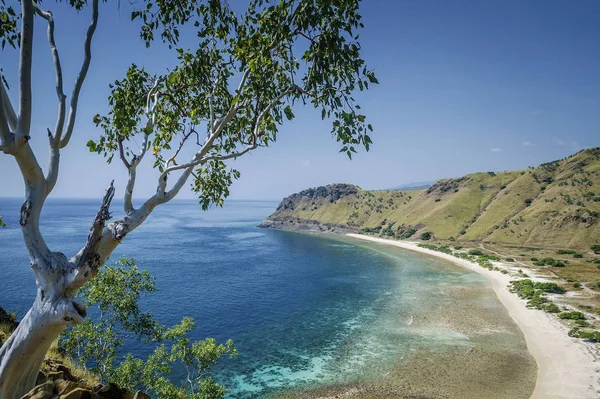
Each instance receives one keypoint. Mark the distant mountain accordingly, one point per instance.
(413, 186)
(554, 205)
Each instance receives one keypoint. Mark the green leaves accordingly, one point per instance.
(96, 344)
(212, 182)
(2, 224)
(8, 26)
(239, 83)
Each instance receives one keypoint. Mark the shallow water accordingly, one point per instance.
(307, 313)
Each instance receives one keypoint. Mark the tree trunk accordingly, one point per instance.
(22, 355)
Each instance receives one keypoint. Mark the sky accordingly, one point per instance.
(465, 86)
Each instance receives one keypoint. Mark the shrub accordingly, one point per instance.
(509, 259)
(573, 315)
(596, 248)
(551, 307)
(426, 236)
(578, 256)
(476, 252)
(566, 252)
(457, 247)
(577, 284)
(534, 259)
(528, 201)
(549, 262)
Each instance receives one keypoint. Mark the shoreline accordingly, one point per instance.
(567, 367)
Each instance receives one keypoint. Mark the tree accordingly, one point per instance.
(116, 292)
(227, 96)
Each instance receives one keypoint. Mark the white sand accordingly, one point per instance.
(567, 367)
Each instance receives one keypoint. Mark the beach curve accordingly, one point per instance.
(567, 367)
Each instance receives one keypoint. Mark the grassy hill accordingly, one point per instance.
(554, 205)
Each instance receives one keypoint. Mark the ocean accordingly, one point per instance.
(306, 312)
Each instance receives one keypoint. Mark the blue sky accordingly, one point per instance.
(465, 86)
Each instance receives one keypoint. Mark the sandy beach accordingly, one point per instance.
(567, 367)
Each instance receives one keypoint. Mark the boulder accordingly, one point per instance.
(43, 391)
(79, 393)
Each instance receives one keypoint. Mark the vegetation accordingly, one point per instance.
(549, 262)
(534, 292)
(426, 236)
(482, 207)
(95, 344)
(476, 252)
(216, 98)
(574, 315)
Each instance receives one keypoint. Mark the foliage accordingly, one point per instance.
(566, 252)
(509, 259)
(2, 224)
(549, 262)
(573, 315)
(475, 252)
(277, 54)
(533, 292)
(595, 248)
(96, 343)
(426, 236)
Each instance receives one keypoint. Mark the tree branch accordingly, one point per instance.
(7, 109)
(87, 261)
(60, 119)
(132, 169)
(82, 74)
(25, 59)
(6, 136)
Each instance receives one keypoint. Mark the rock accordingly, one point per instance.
(79, 393)
(63, 387)
(141, 395)
(126, 394)
(43, 391)
(66, 372)
(41, 378)
(55, 375)
(110, 391)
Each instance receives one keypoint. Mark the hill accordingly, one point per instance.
(554, 205)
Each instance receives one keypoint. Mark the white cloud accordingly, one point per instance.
(495, 149)
(528, 144)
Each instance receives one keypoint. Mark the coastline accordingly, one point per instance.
(567, 367)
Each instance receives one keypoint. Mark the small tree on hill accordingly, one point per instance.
(225, 97)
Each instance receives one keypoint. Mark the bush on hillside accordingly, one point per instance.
(426, 236)
(476, 252)
(573, 315)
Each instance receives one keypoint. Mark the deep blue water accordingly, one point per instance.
(301, 309)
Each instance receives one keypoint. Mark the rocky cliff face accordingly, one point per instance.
(311, 198)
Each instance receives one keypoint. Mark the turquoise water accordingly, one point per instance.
(303, 310)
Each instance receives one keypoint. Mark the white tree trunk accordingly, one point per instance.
(58, 279)
(22, 355)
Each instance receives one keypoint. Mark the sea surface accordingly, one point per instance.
(304, 311)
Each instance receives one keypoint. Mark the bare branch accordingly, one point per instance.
(82, 74)
(60, 119)
(25, 59)
(6, 136)
(122, 154)
(53, 165)
(87, 261)
(151, 115)
(7, 109)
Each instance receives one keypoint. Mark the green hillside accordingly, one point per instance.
(554, 205)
